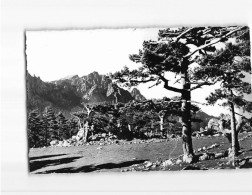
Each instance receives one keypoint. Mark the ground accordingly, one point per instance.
(132, 156)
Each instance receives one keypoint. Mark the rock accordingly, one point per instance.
(99, 148)
(206, 156)
(204, 148)
(167, 163)
(66, 144)
(148, 164)
(54, 142)
(219, 155)
(178, 161)
(215, 145)
(242, 162)
(158, 162)
(187, 158)
(60, 144)
(200, 149)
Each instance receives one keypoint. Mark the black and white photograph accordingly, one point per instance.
(126, 96)
(138, 99)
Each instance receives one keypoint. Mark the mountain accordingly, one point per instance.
(137, 95)
(68, 93)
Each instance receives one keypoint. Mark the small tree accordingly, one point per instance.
(64, 132)
(34, 129)
(51, 125)
(73, 126)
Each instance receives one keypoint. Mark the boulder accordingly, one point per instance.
(178, 161)
(148, 164)
(219, 155)
(60, 144)
(167, 163)
(187, 158)
(66, 144)
(54, 142)
(207, 156)
(213, 146)
(242, 162)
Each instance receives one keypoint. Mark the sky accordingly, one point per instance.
(53, 55)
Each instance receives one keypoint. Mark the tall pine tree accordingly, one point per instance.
(34, 129)
(229, 67)
(175, 51)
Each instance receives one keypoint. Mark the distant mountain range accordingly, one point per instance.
(68, 93)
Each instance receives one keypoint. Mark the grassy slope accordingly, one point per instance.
(94, 158)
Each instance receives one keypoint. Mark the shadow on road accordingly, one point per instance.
(34, 165)
(45, 156)
(91, 168)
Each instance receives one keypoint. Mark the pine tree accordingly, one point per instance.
(73, 126)
(52, 130)
(175, 51)
(34, 129)
(64, 131)
(228, 66)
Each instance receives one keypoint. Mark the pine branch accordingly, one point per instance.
(214, 42)
(166, 85)
(182, 34)
(202, 84)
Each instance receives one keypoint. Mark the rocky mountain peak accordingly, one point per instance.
(137, 95)
(91, 88)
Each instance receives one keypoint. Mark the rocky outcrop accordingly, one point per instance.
(97, 88)
(69, 92)
(137, 95)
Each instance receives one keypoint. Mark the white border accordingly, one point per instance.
(19, 16)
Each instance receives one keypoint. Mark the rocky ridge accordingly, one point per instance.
(69, 92)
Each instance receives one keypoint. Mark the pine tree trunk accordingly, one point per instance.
(233, 131)
(161, 124)
(237, 141)
(186, 115)
(85, 132)
(129, 127)
(46, 136)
